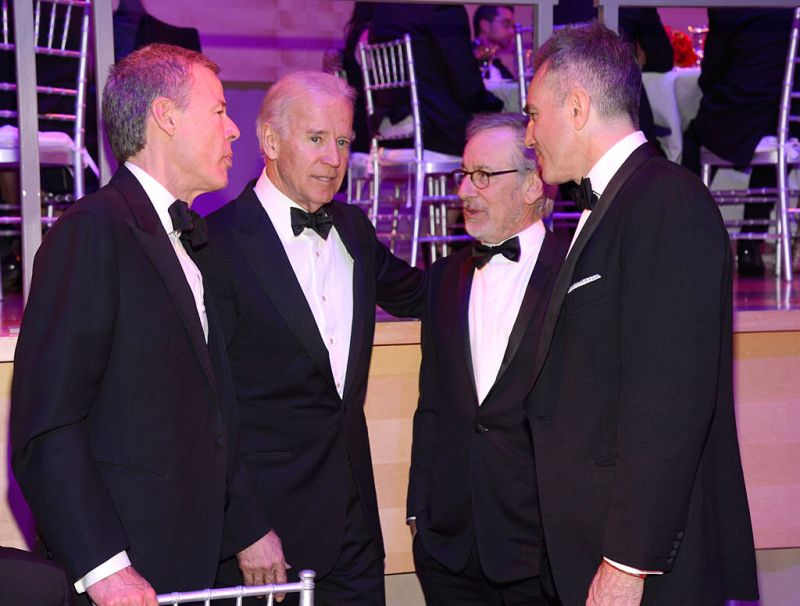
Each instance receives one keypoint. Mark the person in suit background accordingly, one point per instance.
(741, 75)
(122, 409)
(449, 82)
(472, 502)
(493, 26)
(297, 278)
(640, 482)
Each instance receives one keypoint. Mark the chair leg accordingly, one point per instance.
(784, 243)
(419, 185)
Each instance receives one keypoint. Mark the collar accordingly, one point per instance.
(530, 240)
(277, 206)
(159, 195)
(611, 161)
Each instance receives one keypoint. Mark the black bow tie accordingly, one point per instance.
(320, 221)
(583, 195)
(482, 254)
(192, 227)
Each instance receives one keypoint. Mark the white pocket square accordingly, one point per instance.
(583, 282)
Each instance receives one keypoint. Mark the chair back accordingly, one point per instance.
(524, 69)
(389, 66)
(305, 587)
(61, 32)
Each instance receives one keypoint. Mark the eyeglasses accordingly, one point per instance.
(479, 178)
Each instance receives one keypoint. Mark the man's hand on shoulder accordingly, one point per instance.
(262, 563)
(124, 588)
(613, 587)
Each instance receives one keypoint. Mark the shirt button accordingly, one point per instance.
(338, 386)
(330, 340)
(317, 253)
(324, 298)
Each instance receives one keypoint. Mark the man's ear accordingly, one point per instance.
(270, 142)
(533, 188)
(163, 111)
(578, 103)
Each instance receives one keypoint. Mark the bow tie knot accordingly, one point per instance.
(320, 221)
(583, 195)
(482, 253)
(191, 226)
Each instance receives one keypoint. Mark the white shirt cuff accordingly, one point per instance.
(106, 569)
(631, 569)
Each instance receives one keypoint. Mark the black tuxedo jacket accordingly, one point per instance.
(472, 475)
(123, 419)
(632, 413)
(302, 443)
(448, 77)
(742, 71)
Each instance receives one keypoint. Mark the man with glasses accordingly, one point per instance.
(472, 499)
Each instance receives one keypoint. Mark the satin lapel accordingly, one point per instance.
(634, 161)
(537, 289)
(155, 243)
(263, 251)
(465, 274)
(354, 246)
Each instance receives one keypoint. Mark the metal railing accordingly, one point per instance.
(305, 587)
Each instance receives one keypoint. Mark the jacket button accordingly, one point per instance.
(670, 561)
(481, 429)
(673, 552)
(222, 442)
(680, 534)
(676, 544)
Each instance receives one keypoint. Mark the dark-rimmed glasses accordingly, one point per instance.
(479, 178)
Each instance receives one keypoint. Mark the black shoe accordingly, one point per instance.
(751, 265)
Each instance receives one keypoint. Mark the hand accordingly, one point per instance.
(613, 587)
(412, 525)
(262, 563)
(124, 588)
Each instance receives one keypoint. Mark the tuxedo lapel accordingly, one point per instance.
(355, 247)
(465, 274)
(263, 251)
(149, 233)
(532, 300)
(634, 161)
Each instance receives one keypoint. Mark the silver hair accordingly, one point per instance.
(597, 59)
(294, 88)
(157, 70)
(524, 157)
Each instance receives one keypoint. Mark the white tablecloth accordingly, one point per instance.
(675, 98)
(507, 91)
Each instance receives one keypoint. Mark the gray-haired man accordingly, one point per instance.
(122, 408)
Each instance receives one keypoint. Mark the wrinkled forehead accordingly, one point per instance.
(319, 112)
(490, 149)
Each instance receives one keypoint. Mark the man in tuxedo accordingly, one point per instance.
(449, 82)
(296, 278)
(637, 461)
(472, 501)
(123, 412)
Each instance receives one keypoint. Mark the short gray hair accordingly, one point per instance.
(596, 58)
(524, 157)
(157, 70)
(296, 88)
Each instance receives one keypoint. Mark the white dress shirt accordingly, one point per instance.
(494, 301)
(606, 167)
(324, 270)
(161, 200)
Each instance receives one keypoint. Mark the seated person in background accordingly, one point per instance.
(348, 61)
(448, 78)
(742, 72)
(494, 31)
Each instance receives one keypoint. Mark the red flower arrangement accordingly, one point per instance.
(682, 49)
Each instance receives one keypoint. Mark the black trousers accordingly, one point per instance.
(443, 587)
(26, 578)
(356, 578)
